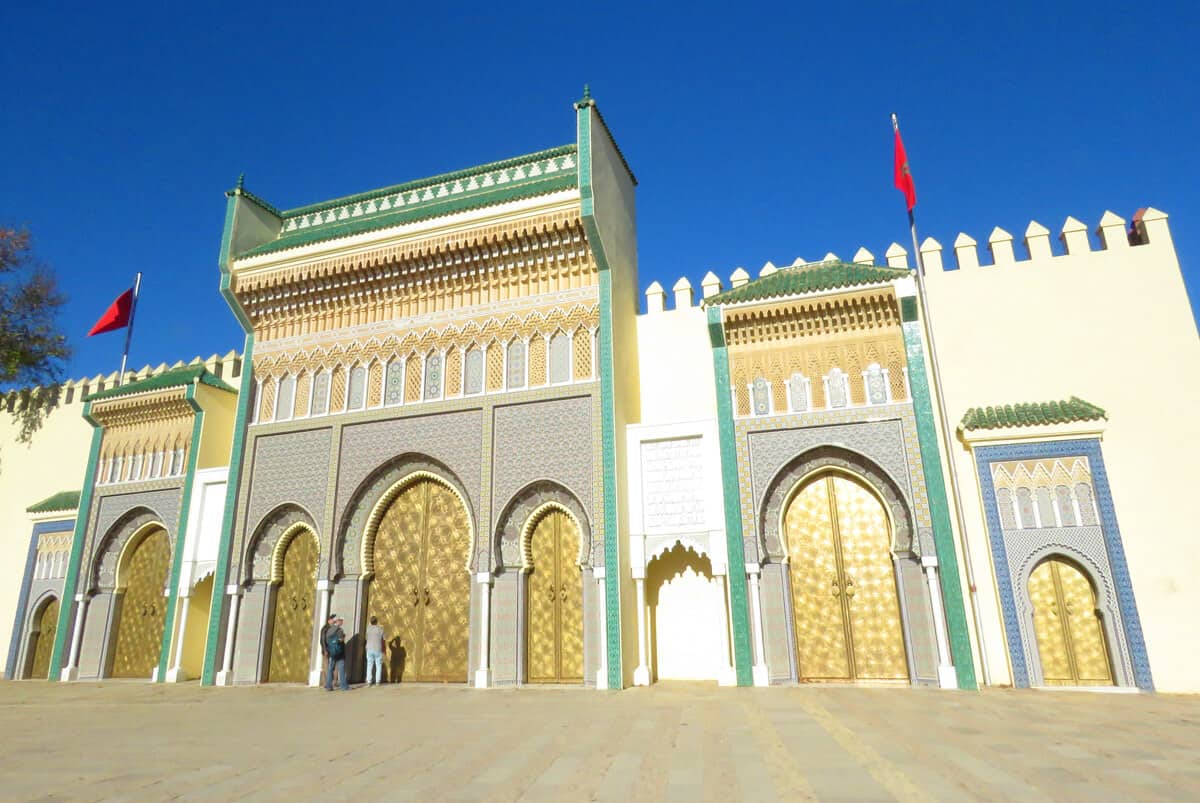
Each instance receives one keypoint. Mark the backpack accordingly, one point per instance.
(335, 643)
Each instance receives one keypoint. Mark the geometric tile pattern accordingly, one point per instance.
(288, 467)
(1097, 549)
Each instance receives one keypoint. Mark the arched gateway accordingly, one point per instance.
(555, 609)
(846, 610)
(420, 587)
(141, 577)
(295, 573)
(1070, 638)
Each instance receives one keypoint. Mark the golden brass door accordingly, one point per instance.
(845, 607)
(143, 608)
(292, 630)
(1070, 637)
(554, 624)
(421, 590)
(44, 641)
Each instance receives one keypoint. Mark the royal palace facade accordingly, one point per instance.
(452, 413)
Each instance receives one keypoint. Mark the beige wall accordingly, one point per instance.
(54, 461)
(1113, 327)
(675, 365)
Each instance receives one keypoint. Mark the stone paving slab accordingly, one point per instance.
(674, 742)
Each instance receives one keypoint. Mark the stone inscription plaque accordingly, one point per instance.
(673, 485)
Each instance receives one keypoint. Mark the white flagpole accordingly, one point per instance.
(947, 443)
(137, 286)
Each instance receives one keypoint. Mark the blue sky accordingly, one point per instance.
(757, 132)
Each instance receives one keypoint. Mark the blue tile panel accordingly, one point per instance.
(985, 456)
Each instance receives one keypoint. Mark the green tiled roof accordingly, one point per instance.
(486, 185)
(809, 278)
(63, 500)
(177, 377)
(1031, 414)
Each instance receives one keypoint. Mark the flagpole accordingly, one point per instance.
(947, 443)
(137, 286)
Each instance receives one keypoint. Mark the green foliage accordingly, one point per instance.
(33, 352)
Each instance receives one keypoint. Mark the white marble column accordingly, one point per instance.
(324, 592)
(225, 676)
(483, 675)
(726, 675)
(602, 628)
(760, 675)
(947, 675)
(71, 670)
(641, 675)
(175, 673)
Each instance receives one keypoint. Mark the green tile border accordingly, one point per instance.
(82, 517)
(939, 508)
(164, 655)
(731, 498)
(608, 417)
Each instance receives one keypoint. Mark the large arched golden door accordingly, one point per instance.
(42, 643)
(292, 630)
(421, 590)
(847, 614)
(1070, 637)
(144, 608)
(554, 627)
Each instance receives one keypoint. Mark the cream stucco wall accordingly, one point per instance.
(675, 366)
(1114, 327)
(55, 460)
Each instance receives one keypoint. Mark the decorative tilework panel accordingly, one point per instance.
(541, 441)
(1098, 549)
(288, 467)
(454, 439)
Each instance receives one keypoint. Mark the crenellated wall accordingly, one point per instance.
(1106, 320)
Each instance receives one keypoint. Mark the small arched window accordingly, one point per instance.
(1066, 506)
(394, 389)
(761, 392)
(1025, 514)
(433, 376)
(560, 358)
(1046, 507)
(1008, 521)
(514, 370)
(356, 396)
(285, 400)
(837, 388)
(474, 371)
(1087, 505)
(798, 393)
(320, 393)
(876, 381)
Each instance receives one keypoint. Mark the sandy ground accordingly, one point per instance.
(137, 741)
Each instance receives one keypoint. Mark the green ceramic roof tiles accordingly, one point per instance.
(810, 278)
(522, 177)
(177, 377)
(1031, 414)
(63, 500)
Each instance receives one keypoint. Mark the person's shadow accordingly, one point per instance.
(397, 655)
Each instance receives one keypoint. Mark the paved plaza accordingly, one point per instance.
(687, 742)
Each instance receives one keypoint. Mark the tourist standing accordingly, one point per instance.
(375, 642)
(325, 628)
(335, 649)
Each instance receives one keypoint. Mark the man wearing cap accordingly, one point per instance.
(335, 649)
(325, 628)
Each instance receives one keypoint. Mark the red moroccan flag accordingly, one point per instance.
(117, 315)
(904, 179)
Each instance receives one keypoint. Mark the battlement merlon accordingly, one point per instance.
(1148, 230)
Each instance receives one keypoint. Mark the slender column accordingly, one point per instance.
(725, 673)
(71, 670)
(641, 675)
(324, 591)
(601, 631)
(947, 676)
(760, 650)
(483, 675)
(225, 676)
(176, 674)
